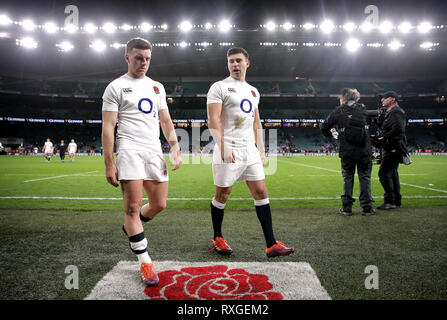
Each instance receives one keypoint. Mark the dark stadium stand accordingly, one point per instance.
(29, 99)
(96, 89)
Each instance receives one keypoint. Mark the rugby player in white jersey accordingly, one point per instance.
(48, 149)
(72, 148)
(139, 105)
(239, 153)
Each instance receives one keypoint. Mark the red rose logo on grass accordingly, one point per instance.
(212, 283)
(156, 90)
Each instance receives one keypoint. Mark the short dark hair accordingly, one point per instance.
(138, 43)
(236, 50)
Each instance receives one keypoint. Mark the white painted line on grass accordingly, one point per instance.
(309, 166)
(339, 171)
(421, 187)
(207, 199)
(61, 176)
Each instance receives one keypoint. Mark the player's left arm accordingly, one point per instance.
(169, 132)
(259, 139)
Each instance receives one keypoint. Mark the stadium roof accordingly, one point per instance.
(282, 53)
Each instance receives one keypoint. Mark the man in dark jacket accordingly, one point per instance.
(62, 149)
(394, 148)
(352, 153)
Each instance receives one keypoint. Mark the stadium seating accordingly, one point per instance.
(37, 86)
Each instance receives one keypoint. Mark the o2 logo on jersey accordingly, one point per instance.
(244, 104)
(142, 106)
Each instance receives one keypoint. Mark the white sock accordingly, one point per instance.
(218, 204)
(140, 246)
(144, 257)
(262, 202)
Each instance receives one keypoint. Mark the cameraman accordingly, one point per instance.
(349, 120)
(394, 148)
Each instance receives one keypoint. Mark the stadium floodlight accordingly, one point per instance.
(98, 45)
(126, 27)
(71, 28)
(145, 27)
(349, 26)
(311, 44)
(428, 45)
(327, 26)
(366, 27)
(185, 26)
(353, 45)
(287, 26)
(27, 42)
(332, 44)
(90, 28)
(183, 44)
(385, 27)
(374, 45)
(117, 45)
(270, 26)
(208, 25)
(203, 44)
(50, 27)
(395, 45)
(424, 27)
(5, 20)
(28, 25)
(65, 46)
(161, 44)
(308, 26)
(405, 27)
(164, 26)
(224, 26)
(109, 27)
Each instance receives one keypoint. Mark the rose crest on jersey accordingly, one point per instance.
(253, 93)
(156, 90)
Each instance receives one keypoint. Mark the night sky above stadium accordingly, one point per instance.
(246, 16)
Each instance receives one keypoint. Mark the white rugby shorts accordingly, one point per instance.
(247, 167)
(141, 165)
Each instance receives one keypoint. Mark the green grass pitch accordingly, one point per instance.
(57, 214)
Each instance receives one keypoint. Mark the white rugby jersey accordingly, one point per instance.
(48, 146)
(72, 147)
(137, 102)
(239, 101)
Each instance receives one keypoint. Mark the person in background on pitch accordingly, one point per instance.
(394, 148)
(62, 149)
(239, 153)
(72, 148)
(350, 123)
(139, 105)
(48, 150)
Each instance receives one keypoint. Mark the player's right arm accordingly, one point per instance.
(108, 138)
(214, 111)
